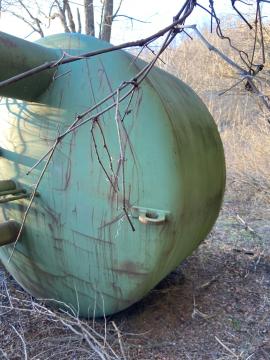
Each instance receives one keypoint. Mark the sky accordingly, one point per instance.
(159, 14)
(155, 13)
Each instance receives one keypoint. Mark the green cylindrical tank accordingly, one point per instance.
(157, 163)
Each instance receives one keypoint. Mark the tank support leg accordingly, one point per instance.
(9, 231)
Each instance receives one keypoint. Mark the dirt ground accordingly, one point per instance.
(216, 305)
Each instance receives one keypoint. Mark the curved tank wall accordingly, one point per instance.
(77, 245)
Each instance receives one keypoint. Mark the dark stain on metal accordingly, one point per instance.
(90, 237)
(8, 43)
(130, 268)
(68, 171)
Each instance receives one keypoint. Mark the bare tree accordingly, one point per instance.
(38, 15)
(250, 66)
(22, 10)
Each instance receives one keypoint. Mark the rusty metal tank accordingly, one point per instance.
(125, 197)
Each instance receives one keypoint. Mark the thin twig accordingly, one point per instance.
(119, 340)
(32, 197)
(23, 342)
(99, 158)
(122, 157)
(226, 347)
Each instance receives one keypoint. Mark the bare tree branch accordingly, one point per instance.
(62, 16)
(131, 18)
(79, 21)
(69, 59)
(246, 74)
(29, 23)
(33, 22)
(118, 9)
(70, 16)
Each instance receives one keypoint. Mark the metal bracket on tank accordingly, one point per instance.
(9, 187)
(149, 216)
(10, 229)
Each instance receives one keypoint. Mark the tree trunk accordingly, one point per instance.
(62, 15)
(107, 19)
(89, 17)
(70, 16)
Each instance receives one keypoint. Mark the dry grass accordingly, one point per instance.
(31, 330)
(242, 120)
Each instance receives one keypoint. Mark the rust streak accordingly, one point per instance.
(129, 272)
(91, 237)
(113, 221)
